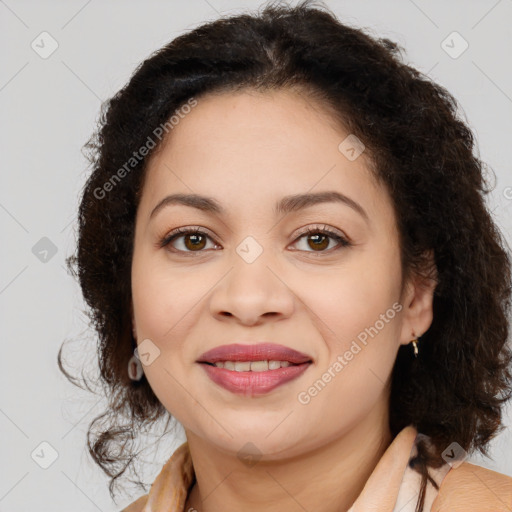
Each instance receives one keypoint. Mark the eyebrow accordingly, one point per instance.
(285, 205)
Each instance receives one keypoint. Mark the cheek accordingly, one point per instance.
(161, 302)
(162, 296)
(360, 349)
(166, 304)
(356, 311)
(346, 303)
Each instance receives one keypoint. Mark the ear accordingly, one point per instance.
(417, 301)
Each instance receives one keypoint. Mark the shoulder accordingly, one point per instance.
(470, 487)
(171, 484)
(137, 505)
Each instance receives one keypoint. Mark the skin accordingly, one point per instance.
(248, 150)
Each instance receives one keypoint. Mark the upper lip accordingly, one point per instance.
(258, 352)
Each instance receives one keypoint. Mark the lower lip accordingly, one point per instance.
(253, 383)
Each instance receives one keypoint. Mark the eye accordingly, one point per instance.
(186, 240)
(194, 240)
(319, 239)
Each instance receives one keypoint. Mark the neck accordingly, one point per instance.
(328, 479)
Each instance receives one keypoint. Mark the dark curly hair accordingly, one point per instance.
(419, 149)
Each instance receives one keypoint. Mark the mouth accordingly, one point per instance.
(252, 366)
(262, 352)
(252, 370)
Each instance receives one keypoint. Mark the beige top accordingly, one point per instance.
(392, 487)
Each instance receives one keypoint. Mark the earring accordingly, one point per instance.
(135, 371)
(415, 347)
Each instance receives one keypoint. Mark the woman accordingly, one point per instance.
(285, 247)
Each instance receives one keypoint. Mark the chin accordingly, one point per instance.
(258, 444)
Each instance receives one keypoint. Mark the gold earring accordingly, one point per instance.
(415, 347)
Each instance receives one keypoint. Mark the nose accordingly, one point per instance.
(251, 294)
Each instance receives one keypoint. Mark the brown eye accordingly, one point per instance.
(194, 241)
(185, 240)
(318, 241)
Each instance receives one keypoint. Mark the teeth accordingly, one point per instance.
(253, 366)
(242, 366)
(259, 366)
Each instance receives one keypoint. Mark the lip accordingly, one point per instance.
(253, 383)
(259, 352)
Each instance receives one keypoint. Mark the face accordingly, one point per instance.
(318, 274)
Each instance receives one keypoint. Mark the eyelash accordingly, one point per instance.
(177, 233)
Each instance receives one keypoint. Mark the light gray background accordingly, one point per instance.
(49, 107)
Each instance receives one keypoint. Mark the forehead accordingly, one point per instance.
(247, 146)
